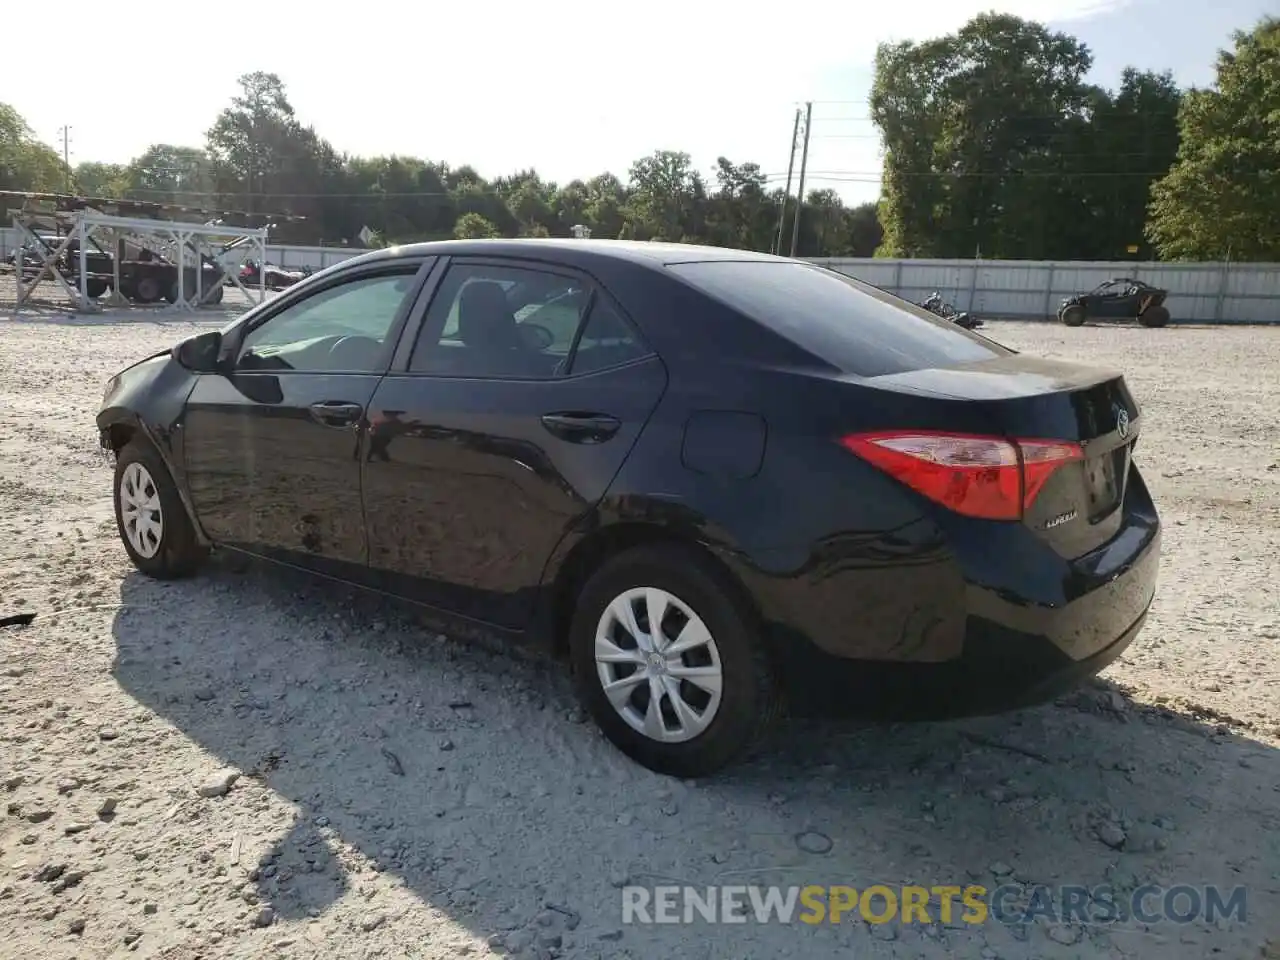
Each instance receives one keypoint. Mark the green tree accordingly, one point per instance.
(265, 158)
(165, 173)
(403, 198)
(740, 211)
(26, 163)
(665, 195)
(1137, 128)
(1222, 196)
(93, 179)
(864, 231)
(472, 226)
(971, 124)
(532, 202)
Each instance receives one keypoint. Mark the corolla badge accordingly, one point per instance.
(1122, 421)
(1060, 519)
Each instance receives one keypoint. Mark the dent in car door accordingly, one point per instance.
(474, 481)
(271, 447)
(471, 492)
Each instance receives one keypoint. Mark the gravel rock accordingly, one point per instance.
(518, 940)
(1110, 833)
(811, 841)
(219, 784)
(1065, 934)
(49, 872)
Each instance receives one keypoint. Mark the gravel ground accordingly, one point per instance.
(250, 765)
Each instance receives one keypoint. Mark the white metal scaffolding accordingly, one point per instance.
(199, 252)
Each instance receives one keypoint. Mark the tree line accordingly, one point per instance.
(994, 146)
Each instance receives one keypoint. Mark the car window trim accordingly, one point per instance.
(418, 267)
(646, 351)
(414, 330)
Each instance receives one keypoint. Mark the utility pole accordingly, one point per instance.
(804, 163)
(786, 194)
(65, 134)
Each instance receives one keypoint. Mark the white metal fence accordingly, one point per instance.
(1033, 289)
(1015, 289)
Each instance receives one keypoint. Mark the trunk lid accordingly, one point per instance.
(1080, 506)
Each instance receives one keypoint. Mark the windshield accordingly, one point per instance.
(858, 328)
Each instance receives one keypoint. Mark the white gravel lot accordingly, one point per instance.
(405, 795)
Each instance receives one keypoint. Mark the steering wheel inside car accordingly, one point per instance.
(536, 336)
(355, 352)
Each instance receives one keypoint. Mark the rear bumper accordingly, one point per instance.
(975, 685)
(1024, 628)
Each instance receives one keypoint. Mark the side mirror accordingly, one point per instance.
(200, 353)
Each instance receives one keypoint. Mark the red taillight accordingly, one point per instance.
(987, 477)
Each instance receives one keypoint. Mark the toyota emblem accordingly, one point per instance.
(1122, 421)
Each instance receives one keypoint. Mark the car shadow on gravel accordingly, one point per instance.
(470, 775)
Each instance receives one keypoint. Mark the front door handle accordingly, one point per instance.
(581, 427)
(336, 413)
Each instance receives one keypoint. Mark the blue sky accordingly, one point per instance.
(569, 87)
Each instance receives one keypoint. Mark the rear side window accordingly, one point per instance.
(607, 341)
(858, 328)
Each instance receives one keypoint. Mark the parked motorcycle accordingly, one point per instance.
(936, 305)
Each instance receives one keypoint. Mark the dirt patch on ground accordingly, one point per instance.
(250, 765)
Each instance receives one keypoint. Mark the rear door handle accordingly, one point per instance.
(336, 413)
(581, 427)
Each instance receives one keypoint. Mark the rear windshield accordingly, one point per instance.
(857, 328)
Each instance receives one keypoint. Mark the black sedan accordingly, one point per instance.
(722, 484)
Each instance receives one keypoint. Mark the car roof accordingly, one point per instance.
(641, 252)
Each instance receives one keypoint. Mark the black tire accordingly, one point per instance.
(1155, 316)
(1072, 316)
(96, 288)
(748, 701)
(178, 552)
(147, 290)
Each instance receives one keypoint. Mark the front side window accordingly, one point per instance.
(501, 321)
(341, 329)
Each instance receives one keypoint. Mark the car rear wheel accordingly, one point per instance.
(1073, 316)
(670, 663)
(152, 522)
(1154, 317)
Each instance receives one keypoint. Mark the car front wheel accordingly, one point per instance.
(670, 663)
(152, 522)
